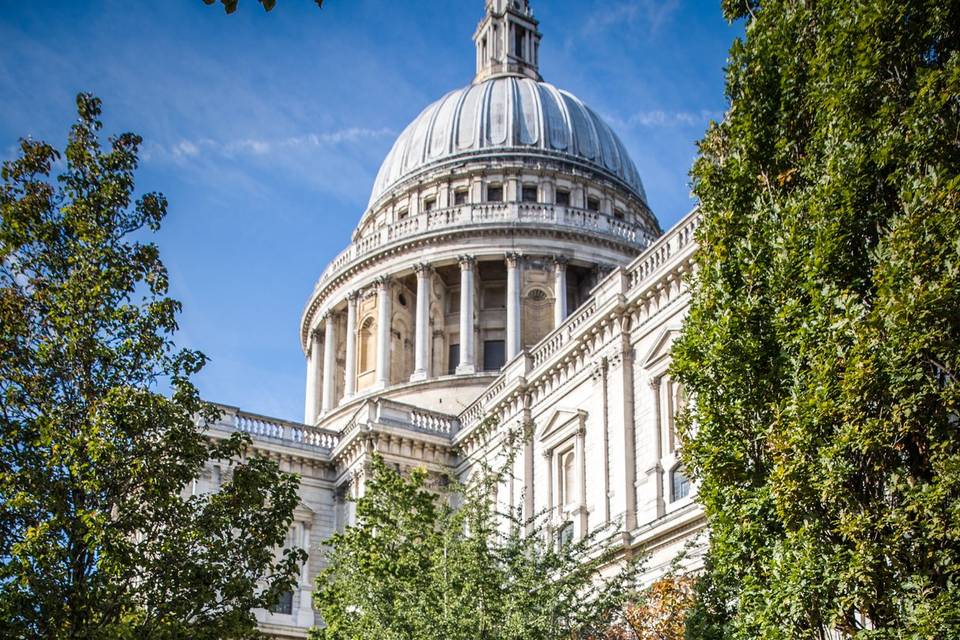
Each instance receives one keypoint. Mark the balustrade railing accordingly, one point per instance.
(659, 252)
(464, 215)
(262, 427)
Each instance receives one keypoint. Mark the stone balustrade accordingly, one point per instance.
(264, 428)
(659, 252)
(398, 414)
(447, 220)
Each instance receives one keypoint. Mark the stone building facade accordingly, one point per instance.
(507, 274)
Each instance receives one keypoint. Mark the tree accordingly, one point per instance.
(98, 537)
(231, 5)
(415, 567)
(661, 613)
(822, 347)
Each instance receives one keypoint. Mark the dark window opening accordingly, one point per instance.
(401, 214)
(453, 359)
(284, 604)
(593, 204)
(494, 193)
(402, 299)
(618, 214)
(494, 355)
(679, 484)
(460, 196)
(528, 194)
(429, 204)
(518, 34)
(563, 197)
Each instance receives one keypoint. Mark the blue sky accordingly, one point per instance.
(265, 131)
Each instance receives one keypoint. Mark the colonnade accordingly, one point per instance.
(321, 369)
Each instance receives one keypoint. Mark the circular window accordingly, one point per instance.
(402, 299)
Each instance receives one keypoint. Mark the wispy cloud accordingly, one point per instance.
(661, 119)
(260, 147)
(650, 15)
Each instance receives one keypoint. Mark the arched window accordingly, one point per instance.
(679, 483)
(568, 480)
(368, 347)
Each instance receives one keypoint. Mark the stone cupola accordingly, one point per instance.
(508, 41)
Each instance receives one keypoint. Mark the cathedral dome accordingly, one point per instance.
(505, 115)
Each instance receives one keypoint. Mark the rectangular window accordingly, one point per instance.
(460, 196)
(565, 533)
(618, 214)
(429, 204)
(494, 193)
(284, 604)
(529, 194)
(401, 214)
(563, 197)
(494, 355)
(518, 33)
(453, 359)
(593, 204)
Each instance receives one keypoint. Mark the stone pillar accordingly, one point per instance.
(350, 370)
(384, 314)
(467, 339)
(421, 369)
(621, 422)
(313, 373)
(329, 361)
(581, 462)
(513, 305)
(559, 291)
(655, 507)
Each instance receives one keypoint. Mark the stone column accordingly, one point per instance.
(513, 305)
(467, 360)
(350, 370)
(580, 461)
(329, 361)
(559, 291)
(421, 369)
(384, 314)
(655, 506)
(313, 373)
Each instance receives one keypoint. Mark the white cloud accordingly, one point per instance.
(651, 15)
(185, 149)
(660, 119)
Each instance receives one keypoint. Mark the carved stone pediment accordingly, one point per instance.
(659, 355)
(560, 425)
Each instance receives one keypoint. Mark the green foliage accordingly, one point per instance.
(414, 567)
(231, 5)
(97, 536)
(823, 342)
